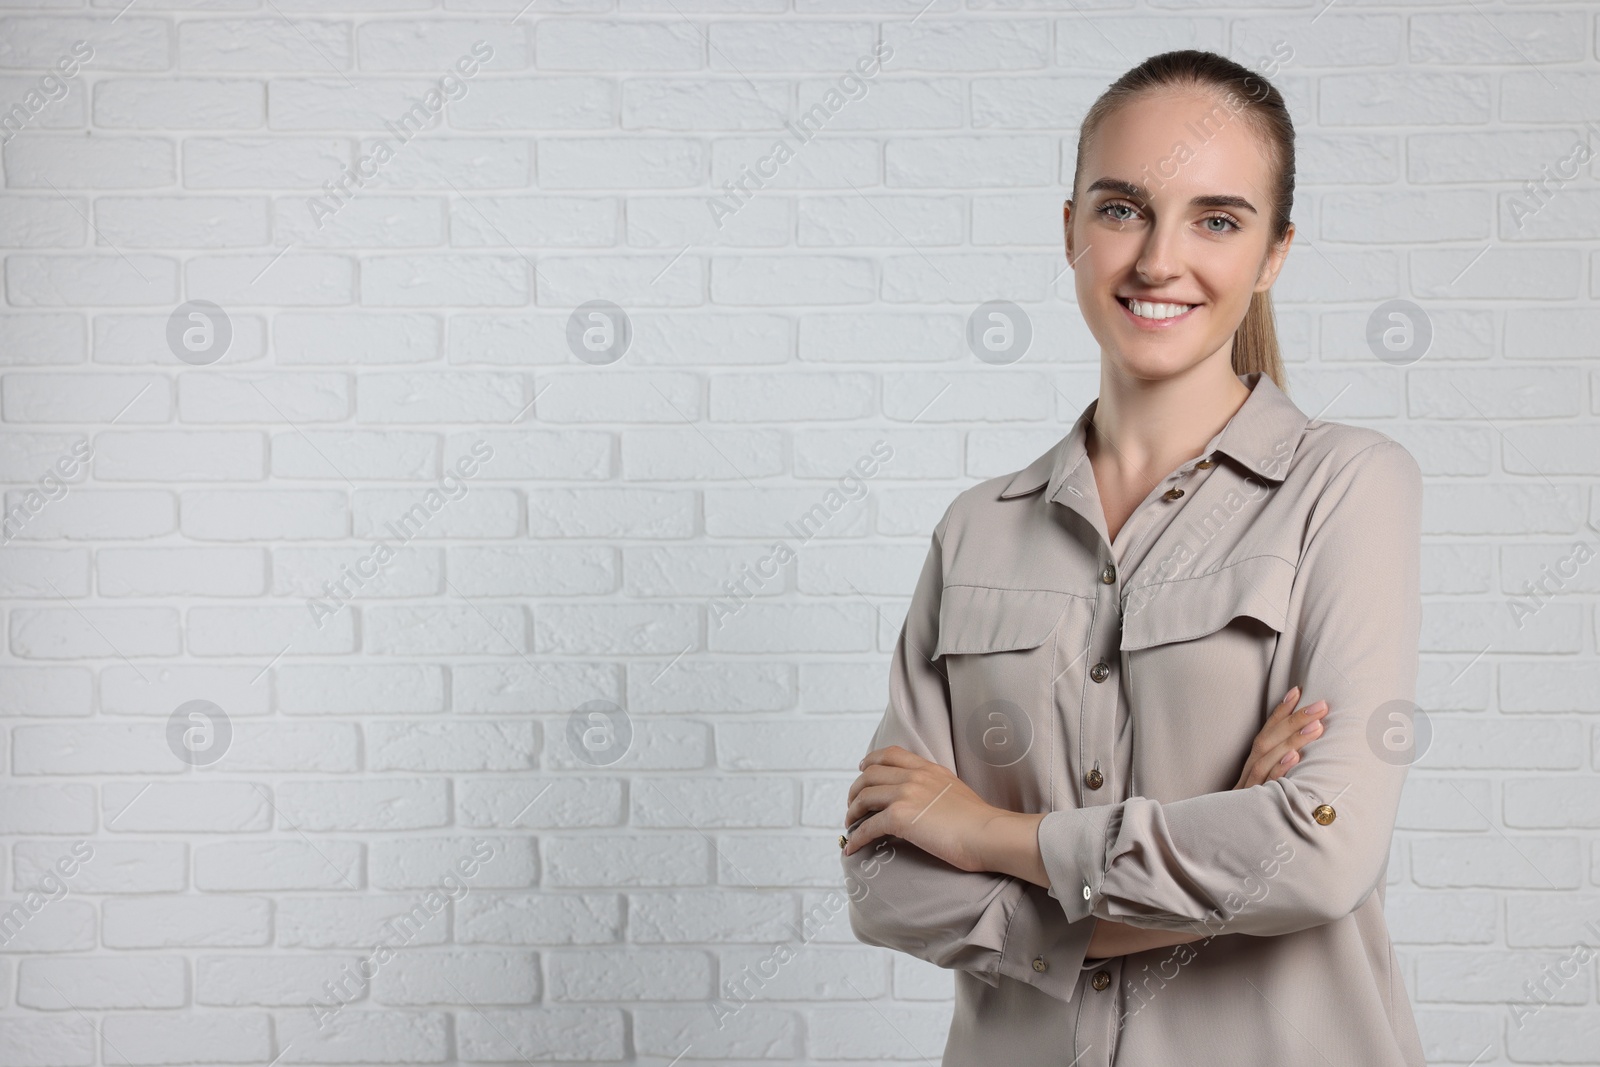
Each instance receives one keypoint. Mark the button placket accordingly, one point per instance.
(1101, 707)
(1098, 720)
(1100, 1015)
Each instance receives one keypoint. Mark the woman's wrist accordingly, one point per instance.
(1009, 844)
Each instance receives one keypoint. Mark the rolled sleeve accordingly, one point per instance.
(1257, 861)
(903, 898)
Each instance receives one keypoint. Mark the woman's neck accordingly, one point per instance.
(1141, 429)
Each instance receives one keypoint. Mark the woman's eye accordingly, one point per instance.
(1227, 223)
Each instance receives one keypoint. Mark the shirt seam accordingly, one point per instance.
(1217, 570)
(1016, 589)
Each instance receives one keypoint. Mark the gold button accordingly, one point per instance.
(842, 841)
(1100, 980)
(1108, 575)
(1094, 779)
(1172, 494)
(1323, 813)
(1204, 464)
(1100, 671)
(1040, 965)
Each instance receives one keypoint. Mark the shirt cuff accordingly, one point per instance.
(1073, 847)
(1041, 948)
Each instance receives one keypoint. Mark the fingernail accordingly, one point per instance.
(1287, 757)
(1309, 727)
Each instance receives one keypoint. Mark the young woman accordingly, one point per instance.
(1091, 794)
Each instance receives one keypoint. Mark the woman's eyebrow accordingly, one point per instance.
(1134, 191)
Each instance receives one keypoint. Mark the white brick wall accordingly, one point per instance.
(405, 766)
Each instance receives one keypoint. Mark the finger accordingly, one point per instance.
(1274, 730)
(1278, 732)
(1283, 766)
(1301, 727)
(878, 774)
(865, 834)
(1274, 761)
(893, 755)
(1285, 705)
(1283, 757)
(873, 798)
(1261, 768)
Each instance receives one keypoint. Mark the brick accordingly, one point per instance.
(91, 983)
(186, 922)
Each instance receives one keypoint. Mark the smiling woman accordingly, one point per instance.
(1111, 818)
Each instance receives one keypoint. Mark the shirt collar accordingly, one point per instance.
(1261, 436)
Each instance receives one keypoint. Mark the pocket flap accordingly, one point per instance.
(981, 618)
(1183, 609)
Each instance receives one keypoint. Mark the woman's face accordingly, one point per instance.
(1173, 210)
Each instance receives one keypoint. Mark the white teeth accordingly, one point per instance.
(1147, 310)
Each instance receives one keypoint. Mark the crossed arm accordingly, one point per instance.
(974, 836)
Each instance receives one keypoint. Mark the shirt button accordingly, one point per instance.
(1094, 779)
(1108, 575)
(1204, 464)
(1086, 893)
(1172, 494)
(1323, 813)
(1040, 965)
(1100, 980)
(1100, 671)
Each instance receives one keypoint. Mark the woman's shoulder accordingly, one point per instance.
(985, 504)
(1330, 452)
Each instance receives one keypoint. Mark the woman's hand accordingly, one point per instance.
(1277, 747)
(920, 802)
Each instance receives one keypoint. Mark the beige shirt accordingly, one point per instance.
(1117, 687)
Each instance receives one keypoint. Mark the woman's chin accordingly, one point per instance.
(1153, 362)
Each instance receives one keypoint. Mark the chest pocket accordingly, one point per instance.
(1196, 654)
(1184, 609)
(982, 618)
(1000, 650)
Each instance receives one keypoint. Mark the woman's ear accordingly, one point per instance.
(1066, 227)
(1273, 263)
